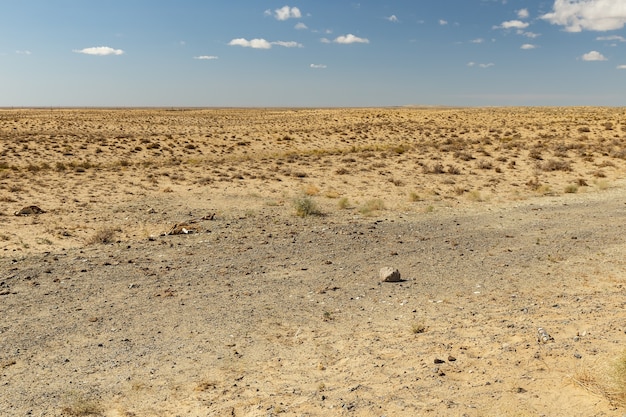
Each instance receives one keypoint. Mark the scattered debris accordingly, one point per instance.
(181, 229)
(186, 228)
(28, 210)
(543, 336)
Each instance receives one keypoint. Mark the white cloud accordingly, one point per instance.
(286, 12)
(205, 57)
(513, 24)
(99, 50)
(443, 22)
(621, 67)
(392, 18)
(530, 35)
(348, 39)
(288, 44)
(473, 64)
(611, 38)
(523, 13)
(318, 66)
(262, 43)
(300, 26)
(528, 46)
(579, 15)
(593, 56)
(253, 43)
(478, 40)
(26, 52)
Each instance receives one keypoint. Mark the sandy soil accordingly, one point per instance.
(501, 221)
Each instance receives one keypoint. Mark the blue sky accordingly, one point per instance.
(249, 53)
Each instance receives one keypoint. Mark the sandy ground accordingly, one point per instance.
(501, 221)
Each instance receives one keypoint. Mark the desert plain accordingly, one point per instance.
(225, 262)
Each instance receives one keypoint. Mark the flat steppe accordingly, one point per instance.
(224, 262)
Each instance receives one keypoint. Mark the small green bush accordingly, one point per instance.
(306, 206)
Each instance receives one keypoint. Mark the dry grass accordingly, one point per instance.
(372, 206)
(103, 236)
(305, 206)
(78, 405)
(608, 381)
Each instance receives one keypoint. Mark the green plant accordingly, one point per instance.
(343, 203)
(305, 206)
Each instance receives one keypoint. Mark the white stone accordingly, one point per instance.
(389, 274)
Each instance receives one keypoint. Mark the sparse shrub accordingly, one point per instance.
(584, 129)
(554, 165)
(459, 190)
(396, 182)
(618, 379)
(602, 184)
(454, 170)
(305, 206)
(343, 203)
(463, 156)
(413, 197)
(311, 190)
(102, 236)
(609, 382)
(474, 195)
(418, 328)
(544, 189)
(331, 193)
(483, 164)
(535, 154)
(342, 171)
(79, 406)
(435, 169)
(371, 206)
(571, 188)
(400, 149)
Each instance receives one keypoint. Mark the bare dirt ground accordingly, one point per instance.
(501, 221)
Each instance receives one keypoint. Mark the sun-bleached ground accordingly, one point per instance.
(501, 221)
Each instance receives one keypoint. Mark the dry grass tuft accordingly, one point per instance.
(609, 383)
(305, 206)
(102, 236)
(80, 406)
(371, 206)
